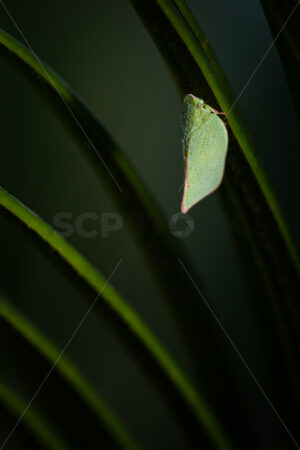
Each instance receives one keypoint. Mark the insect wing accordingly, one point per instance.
(205, 153)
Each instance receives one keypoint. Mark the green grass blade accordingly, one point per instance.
(160, 358)
(32, 420)
(70, 373)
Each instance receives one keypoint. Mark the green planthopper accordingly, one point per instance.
(205, 142)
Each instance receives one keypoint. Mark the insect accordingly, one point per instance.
(205, 142)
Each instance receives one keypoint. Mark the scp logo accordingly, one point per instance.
(181, 225)
(87, 225)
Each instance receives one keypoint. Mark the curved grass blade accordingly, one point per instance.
(38, 427)
(70, 373)
(192, 403)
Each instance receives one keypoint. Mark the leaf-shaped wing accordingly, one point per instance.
(205, 153)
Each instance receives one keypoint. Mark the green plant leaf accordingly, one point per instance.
(192, 405)
(69, 372)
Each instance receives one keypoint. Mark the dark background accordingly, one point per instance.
(103, 51)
